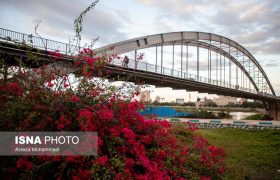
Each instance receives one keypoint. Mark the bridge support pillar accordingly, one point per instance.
(273, 109)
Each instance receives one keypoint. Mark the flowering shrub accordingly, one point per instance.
(129, 147)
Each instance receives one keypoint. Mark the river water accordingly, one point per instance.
(241, 115)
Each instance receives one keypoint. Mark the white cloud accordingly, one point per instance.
(255, 24)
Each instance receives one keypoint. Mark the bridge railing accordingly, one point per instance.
(36, 42)
(139, 65)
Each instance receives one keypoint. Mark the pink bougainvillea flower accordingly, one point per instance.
(75, 99)
(102, 160)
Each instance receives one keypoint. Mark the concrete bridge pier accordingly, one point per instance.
(273, 109)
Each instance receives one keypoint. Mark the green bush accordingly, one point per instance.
(258, 117)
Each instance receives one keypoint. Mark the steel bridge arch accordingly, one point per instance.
(227, 55)
(200, 39)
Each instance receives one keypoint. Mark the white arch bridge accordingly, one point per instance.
(231, 69)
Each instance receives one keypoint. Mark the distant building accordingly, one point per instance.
(242, 100)
(145, 96)
(208, 102)
(199, 103)
(180, 101)
(157, 99)
(224, 100)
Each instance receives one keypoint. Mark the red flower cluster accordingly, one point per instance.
(211, 156)
(14, 88)
(63, 121)
(192, 126)
(24, 163)
(102, 160)
(56, 55)
(105, 114)
(87, 56)
(75, 99)
(128, 133)
(87, 51)
(85, 114)
(129, 146)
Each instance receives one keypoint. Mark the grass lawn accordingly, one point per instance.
(250, 154)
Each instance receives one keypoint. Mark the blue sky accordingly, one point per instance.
(254, 24)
